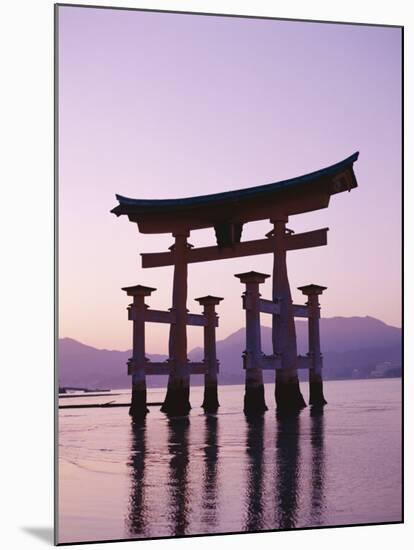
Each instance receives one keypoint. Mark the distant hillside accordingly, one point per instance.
(86, 366)
(351, 347)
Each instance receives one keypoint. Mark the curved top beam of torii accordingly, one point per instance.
(227, 211)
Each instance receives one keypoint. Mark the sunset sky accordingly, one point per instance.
(156, 105)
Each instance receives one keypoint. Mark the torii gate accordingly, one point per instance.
(227, 213)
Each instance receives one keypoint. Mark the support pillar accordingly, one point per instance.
(210, 402)
(316, 397)
(136, 364)
(254, 399)
(177, 400)
(287, 390)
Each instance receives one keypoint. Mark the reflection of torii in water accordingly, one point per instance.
(226, 213)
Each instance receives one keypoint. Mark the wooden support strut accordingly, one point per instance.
(254, 400)
(136, 364)
(316, 396)
(210, 401)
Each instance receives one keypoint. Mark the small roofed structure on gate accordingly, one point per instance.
(227, 212)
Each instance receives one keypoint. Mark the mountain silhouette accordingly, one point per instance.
(351, 347)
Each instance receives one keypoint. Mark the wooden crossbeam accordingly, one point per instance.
(199, 320)
(267, 306)
(157, 316)
(266, 362)
(197, 368)
(273, 362)
(270, 362)
(304, 362)
(300, 310)
(248, 248)
(157, 368)
(164, 367)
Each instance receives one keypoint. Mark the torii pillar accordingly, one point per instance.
(177, 400)
(254, 398)
(287, 390)
(210, 401)
(136, 365)
(316, 397)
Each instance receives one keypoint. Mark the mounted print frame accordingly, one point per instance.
(229, 231)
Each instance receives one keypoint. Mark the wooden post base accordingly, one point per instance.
(210, 401)
(254, 399)
(177, 400)
(138, 409)
(316, 397)
(287, 392)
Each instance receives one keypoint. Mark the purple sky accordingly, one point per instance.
(159, 105)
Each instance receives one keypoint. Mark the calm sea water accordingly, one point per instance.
(218, 474)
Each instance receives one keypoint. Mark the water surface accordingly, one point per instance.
(221, 473)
